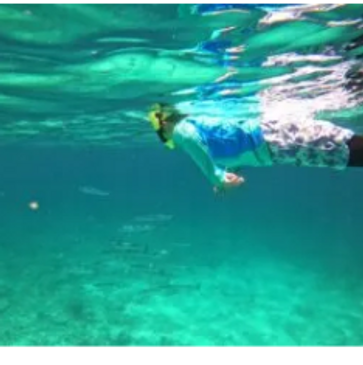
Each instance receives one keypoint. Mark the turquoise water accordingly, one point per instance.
(129, 245)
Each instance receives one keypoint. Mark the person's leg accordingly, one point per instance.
(355, 145)
(308, 142)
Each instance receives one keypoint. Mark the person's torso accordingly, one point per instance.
(231, 142)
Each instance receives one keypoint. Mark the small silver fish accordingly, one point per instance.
(154, 218)
(90, 190)
(135, 228)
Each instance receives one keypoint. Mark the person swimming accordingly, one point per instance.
(221, 147)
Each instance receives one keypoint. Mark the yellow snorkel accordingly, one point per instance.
(157, 114)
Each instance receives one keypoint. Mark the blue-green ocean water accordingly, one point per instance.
(129, 245)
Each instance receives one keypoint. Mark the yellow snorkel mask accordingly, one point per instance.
(157, 114)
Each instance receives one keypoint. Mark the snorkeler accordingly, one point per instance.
(222, 147)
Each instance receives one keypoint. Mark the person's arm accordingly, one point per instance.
(187, 137)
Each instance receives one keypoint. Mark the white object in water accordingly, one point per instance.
(34, 205)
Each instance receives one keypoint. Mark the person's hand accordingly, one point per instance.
(231, 180)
